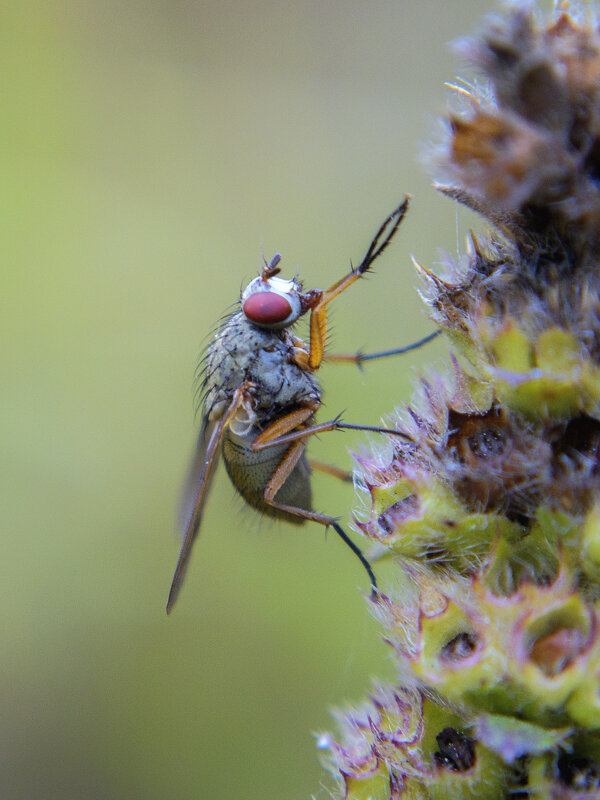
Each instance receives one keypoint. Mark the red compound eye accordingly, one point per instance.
(267, 308)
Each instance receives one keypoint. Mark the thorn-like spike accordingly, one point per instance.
(474, 247)
(427, 274)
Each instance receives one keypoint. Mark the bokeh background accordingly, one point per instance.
(152, 151)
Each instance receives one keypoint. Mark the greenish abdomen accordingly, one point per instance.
(250, 471)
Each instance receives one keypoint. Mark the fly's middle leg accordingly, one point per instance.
(274, 435)
(281, 474)
(359, 358)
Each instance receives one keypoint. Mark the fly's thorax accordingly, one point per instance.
(241, 351)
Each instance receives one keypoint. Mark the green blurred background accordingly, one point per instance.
(151, 151)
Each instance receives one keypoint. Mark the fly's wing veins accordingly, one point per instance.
(198, 485)
(195, 475)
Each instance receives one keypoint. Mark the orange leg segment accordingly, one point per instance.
(329, 469)
(277, 431)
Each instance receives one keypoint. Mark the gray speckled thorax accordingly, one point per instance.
(242, 351)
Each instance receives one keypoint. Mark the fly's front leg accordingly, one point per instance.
(279, 477)
(318, 317)
(301, 355)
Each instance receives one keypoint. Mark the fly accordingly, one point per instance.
(260, 397)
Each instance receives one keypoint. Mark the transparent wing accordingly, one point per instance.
(198, 485)
(195, 475)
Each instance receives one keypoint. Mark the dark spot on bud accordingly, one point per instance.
(516, 514)
(476, 436)
(544, 579)
(580, 435)
(395, 515)
(557, 650)
(578, 773)
(541, 98)
(457, 751)
(460, 647)
(519, 777)
(592, 161)
(498, 463)
(504, 53)
(487, 443)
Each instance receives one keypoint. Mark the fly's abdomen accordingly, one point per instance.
(251, 470)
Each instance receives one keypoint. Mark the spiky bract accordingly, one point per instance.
(490, 508)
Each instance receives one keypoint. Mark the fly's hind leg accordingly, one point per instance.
(279, 477)
(341, 474)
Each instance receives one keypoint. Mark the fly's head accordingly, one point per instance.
(276, 303)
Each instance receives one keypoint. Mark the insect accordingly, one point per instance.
(260, 397)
